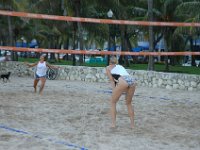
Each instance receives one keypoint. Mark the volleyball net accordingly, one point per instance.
(96, 21)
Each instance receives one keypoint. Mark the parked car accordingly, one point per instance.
(189, 63)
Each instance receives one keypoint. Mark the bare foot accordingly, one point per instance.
(132, 126)
(113, 126)
(40, 93)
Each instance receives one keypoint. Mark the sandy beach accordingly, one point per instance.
(74, 115)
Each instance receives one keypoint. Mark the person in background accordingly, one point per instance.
(40, 73)
(6, 57)
(121, 82)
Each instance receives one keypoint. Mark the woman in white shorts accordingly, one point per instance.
(40, 74)
(121, 82)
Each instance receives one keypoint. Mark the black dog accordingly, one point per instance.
(5, 76)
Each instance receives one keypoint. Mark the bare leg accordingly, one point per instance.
(43, 80)
(129, 96)
(117, 92)
(35, 85)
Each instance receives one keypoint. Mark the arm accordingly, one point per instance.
(110, 76)
(51, 66)
(30, 65)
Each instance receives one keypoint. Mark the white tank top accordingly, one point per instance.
(41, 69)
(119, 70)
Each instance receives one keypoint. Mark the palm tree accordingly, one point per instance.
(9, 5)
(121, 10)
(165, 11)
(51, 34)
(188, 11)
(76, 8)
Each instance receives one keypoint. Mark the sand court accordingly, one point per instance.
(74, 115)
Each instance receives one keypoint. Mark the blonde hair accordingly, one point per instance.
(43, 55)
(113, 60)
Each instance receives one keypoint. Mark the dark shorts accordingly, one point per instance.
(38, 77)
(130, 80)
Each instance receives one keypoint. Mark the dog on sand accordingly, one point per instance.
(5, 76)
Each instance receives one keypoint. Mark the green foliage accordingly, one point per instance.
(173, 69)
(33, 60)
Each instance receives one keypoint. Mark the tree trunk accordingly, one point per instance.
(74, 44)
(192, 50)
(122, 30)
(126, 48)
(66, 46)
(80, 28)
(109, 44)
(151, 35)
(53, 45)
(166, 50)
(10, 34)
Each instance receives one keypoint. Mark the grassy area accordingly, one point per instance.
(33, 60)
(172, 69)
(30, 60)
(158, 67)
